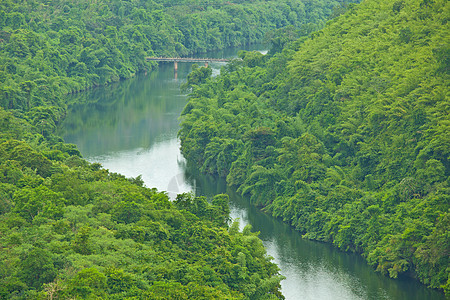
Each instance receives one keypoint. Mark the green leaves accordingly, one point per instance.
(38, 202)
(89, 283)
(344, 135)
(217, 212)
(37, 268)
(89, 233)
(196, 77)
(126, 212)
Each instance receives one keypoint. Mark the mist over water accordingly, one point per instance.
(131, 128)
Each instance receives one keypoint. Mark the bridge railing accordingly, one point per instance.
(187, 59)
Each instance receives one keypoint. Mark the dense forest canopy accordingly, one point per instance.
(70, 229)
(50, 48)
(344, 134)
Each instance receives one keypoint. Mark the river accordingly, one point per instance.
(131, 128)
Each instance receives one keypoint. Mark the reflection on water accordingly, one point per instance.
(131, 128)
(161, 166)
(134, 114)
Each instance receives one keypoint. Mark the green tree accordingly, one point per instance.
(37, 268)
(88, 283)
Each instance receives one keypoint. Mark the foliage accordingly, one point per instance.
(344, 134)
(79, 231)
(49, 49)
(70, 229)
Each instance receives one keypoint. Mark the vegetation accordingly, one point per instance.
(49, 49)
(70, 229)
(344, 134)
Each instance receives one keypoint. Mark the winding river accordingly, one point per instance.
(131, 128)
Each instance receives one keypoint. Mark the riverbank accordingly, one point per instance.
(132, 129)
(72, 229)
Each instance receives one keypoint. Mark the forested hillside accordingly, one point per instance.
(70, 229)
(344, 134)
(51, 48)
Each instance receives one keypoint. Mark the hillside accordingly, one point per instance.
(51, 48)
(344, 134)
(70, 229)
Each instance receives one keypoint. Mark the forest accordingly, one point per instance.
(51, 48)
(70, 229)
(344, 134)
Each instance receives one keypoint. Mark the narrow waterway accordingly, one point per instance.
(131, 128)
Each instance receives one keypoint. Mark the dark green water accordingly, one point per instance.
(131, 128)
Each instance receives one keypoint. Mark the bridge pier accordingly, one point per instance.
(175, 65)
(206, 64)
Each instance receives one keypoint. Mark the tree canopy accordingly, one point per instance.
(70, 229)
(343, 134)
(48, 49)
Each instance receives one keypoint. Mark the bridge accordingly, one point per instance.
(188, 59)
(176, 60)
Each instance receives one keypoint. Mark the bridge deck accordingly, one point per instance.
(188, 59)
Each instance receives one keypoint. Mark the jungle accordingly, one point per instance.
(344, 133)
(71, 229)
